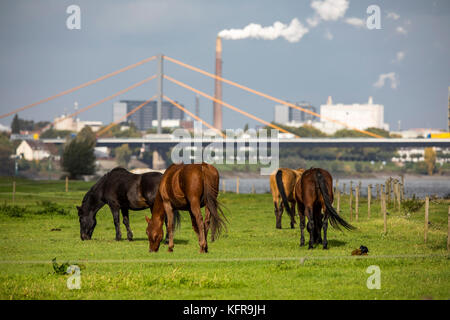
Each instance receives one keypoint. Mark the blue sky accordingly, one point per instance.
(39, 56)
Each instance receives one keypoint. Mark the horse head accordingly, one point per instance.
(154, 233)
(87, 222)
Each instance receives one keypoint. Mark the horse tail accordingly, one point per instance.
(335, 219)
(279, 179)
(211, 191)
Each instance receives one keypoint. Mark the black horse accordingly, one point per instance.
(121, 190)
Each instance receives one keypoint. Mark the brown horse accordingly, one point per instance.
(187, 187)
(287, 178)
(314, 194)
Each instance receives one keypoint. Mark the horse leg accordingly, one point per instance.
(301, 213)
(292, 214)
(169, 225)
(195, 209)
(280, 214)
(275, 204)
(126, 222)
(166, 239)
(310, 226)
(317, 224)
(116, 217)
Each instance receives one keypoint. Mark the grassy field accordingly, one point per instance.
(252, 260)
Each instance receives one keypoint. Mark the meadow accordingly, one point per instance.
(251, 260)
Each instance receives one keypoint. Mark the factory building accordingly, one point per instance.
(294, 117)
(359, 116)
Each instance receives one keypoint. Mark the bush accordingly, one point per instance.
(412, 205)
(49, 207)
(12, 211)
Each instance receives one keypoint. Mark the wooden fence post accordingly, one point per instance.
(369, 198)
(378, 191)
(67, 184)
(357, 202)
(253, 189)
(237, 185)
(223, 186)
(343, 189)
(338, 196)
(383, 208)
(427, 207)
(14, 192)
(351, 204)
(399, 201)
(388, 190)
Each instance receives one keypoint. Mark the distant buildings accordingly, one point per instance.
(146, 117)
(294, 117)
(76, 125)
(36, 150)
(359, 116)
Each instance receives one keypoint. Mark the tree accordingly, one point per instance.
(78, 156)
(6, 149)
(15, 126)
(430, 160)
(123, 155)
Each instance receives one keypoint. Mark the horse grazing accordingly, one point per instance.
(314, 194)
(282, 183)
(187, 187)
(121, 190)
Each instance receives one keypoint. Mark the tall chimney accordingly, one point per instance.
(218, 86)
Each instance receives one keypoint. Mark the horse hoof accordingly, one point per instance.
(170, 250)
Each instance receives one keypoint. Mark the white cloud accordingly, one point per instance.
(392, 15)
(401, 30)
(292, 32)
(330, 10)
(328, 35)
(314, 21)
(383, 77)
(400, 56)
(356, 22)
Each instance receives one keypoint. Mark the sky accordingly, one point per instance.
(293, 50)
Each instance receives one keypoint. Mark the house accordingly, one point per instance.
(35, 150)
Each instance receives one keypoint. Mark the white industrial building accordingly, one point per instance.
(359, 116)
(76, 125)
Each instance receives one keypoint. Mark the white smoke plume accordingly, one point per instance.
(292, 32)
(330, 10)
(383, 77)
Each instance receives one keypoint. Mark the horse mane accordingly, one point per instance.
(99, 184)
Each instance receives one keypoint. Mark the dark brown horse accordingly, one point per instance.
(288, 178)
(122, 191)
(187, 187)
(314, 194)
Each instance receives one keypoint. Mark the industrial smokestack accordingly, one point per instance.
(218, 86)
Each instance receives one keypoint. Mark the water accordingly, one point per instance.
(420, 186)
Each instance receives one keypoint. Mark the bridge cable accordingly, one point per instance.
(181, 84)
(102, 131)
(194, 116)
(101, 101)
(268, 96)
(109, 75)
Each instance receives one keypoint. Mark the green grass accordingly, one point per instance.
(252, 260)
